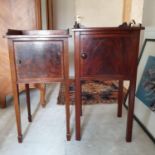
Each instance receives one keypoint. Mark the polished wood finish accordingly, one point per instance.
(28, 102)
(107, 54)
(47, 64)
(120, 99)
(38, 57)
(17, 14)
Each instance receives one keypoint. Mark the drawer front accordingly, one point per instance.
(39, 59)
(109, 55)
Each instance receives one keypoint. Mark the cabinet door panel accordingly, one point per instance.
(39, 59)
(105, 55)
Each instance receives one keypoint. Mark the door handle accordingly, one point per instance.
(83, 55)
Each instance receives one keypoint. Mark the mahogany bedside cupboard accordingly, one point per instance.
(38, 57)
(107, 54)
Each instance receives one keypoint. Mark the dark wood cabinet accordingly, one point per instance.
(107, 54)
(38, 57)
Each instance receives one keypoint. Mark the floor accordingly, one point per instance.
(102, 132)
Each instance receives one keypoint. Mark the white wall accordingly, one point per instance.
(137, 10)
(149, 13)
(92, 12)
(64, 13)
(64, 17)
(95, 13)
(149, 18)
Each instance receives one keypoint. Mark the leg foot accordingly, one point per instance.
(128, 139)
(20, 139)
(30, 118)
(68, 137)
(43, 104)
(78, 138)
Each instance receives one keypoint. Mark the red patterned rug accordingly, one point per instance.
(93, 92)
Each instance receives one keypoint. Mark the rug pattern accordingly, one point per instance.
(93, 92)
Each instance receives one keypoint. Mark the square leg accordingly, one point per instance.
(17, 111)
(132, 89)
(120, 98)
(28, 102)
(67, 107)
(78, 109)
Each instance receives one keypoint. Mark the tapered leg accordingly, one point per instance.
(80, 91)
(17, 111)
(120, 98)
(78, 108)
(28, 102)
(130, 111)
(67, 106)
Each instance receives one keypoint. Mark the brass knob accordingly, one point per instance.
(83, 55)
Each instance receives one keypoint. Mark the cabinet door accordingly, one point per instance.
(106, 55)
(39, 60)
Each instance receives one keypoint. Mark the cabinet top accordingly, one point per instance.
(37, 33)
(108, 29)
